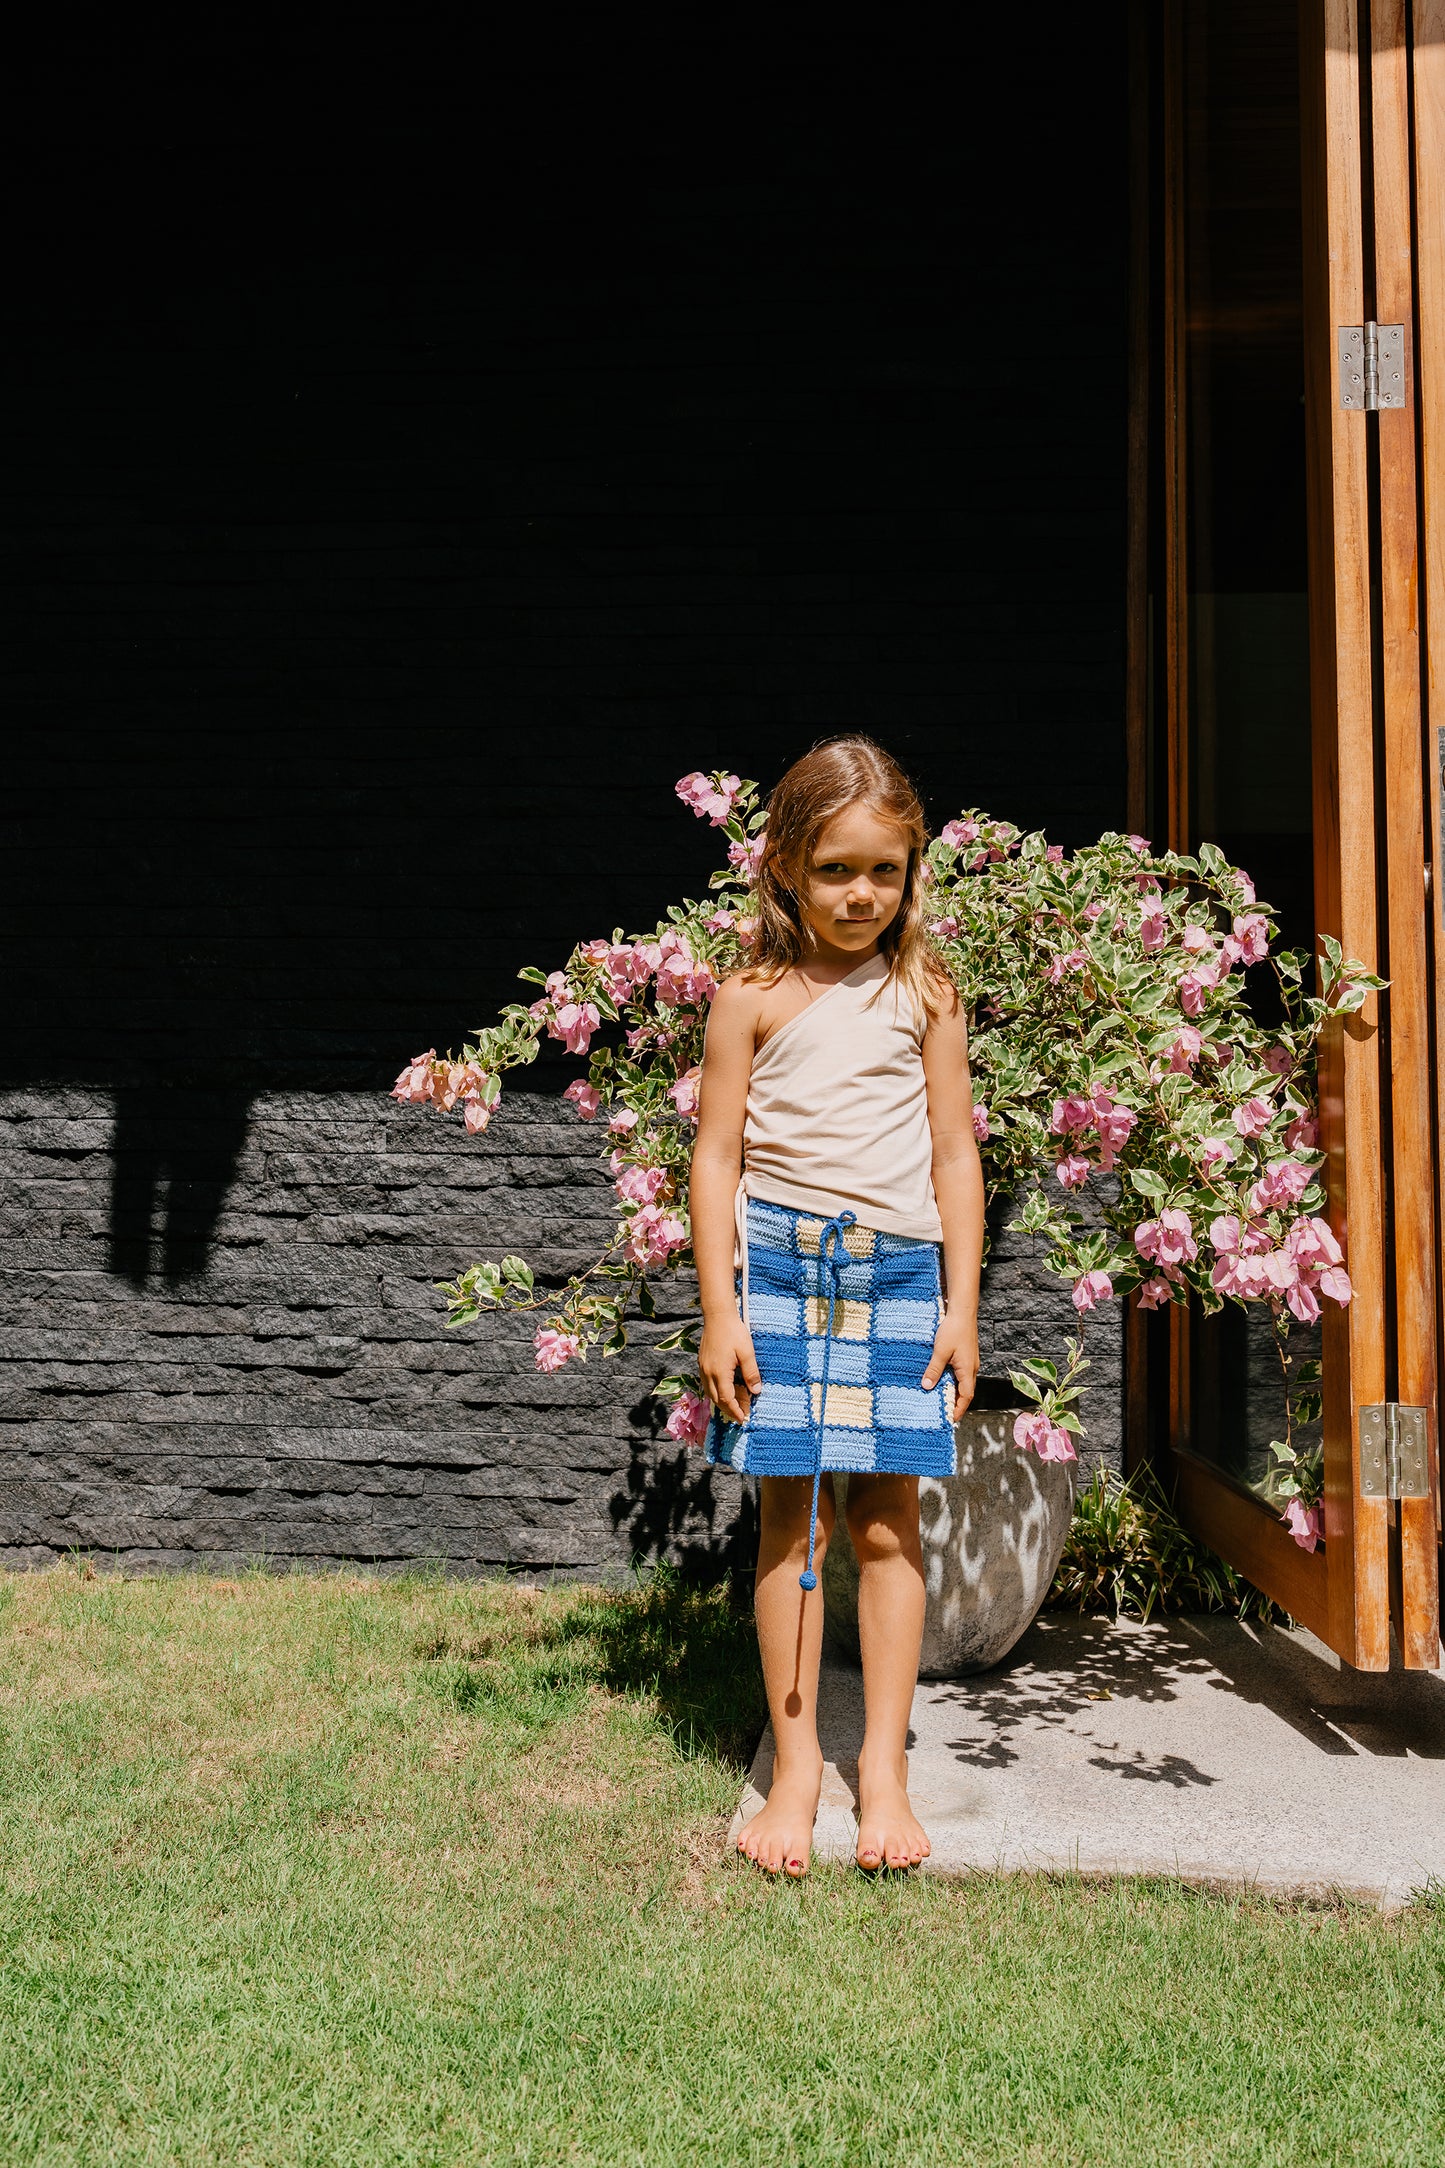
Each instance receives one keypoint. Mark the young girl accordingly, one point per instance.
(835, 1084)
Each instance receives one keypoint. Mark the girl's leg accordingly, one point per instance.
(883, 1522)
(790, 1636)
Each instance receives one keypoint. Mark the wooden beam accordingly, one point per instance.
(1428, 85)
(1409, 1001)
(1254, 1539)
(1357, 1529)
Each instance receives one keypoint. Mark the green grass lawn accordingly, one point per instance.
(345, 1870)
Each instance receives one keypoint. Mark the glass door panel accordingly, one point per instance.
(1247, 702)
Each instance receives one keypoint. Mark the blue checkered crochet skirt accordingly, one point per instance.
(878, 1419)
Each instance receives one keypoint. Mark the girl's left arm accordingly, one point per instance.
(958, 1186)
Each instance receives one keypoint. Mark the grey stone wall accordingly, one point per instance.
(293, 1396)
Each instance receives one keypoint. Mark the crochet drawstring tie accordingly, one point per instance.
(832, 1256)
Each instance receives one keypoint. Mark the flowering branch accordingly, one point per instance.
(1112, 1031)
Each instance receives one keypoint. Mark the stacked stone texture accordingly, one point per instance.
(296, 1399)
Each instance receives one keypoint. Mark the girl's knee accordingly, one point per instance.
(883, 1519)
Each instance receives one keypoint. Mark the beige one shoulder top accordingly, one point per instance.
(837, 1114)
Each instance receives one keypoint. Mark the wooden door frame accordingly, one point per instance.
(1368, 718)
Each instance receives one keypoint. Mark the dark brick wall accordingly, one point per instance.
(392, 516)
(296, 1399)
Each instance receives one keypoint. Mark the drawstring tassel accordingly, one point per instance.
(831, 1264)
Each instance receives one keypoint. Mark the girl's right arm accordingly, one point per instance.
(717, 1162)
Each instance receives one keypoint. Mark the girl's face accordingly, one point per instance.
(858, 868)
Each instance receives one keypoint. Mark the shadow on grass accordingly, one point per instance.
(688, 1652)
(691, 1651)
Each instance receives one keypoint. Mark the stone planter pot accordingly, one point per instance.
(992, 1538)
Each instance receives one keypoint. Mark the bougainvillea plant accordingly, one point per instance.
(1111, 1033)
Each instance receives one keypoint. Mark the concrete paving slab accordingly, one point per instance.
(1196, 1747)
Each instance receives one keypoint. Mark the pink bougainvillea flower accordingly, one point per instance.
(1278, 1060)
(1075, 960)
(1093, 1288)
(574, 1024)
(1070, 1114)
(623, 1120)
(1335, 1282)
(639, 1185)
(943, 929)
(980, 1124)
(956, 833)
(1224, 1233)
(1216, 1152)
(1244, 885)
(1153, 929)
(1303, 1133)
(1139, 845)
(689, 1419)
(1072, 1170)
(1154, 1294)
(719, 921)
(1166, 1241)
(476, 1114)
(584, 1097)
(1313, 1243)
(683, 1093)
(1196, 941)
(1254, 1117)
(1114, 1124)
(652, 1235)
(1188, 1046)
(1283, 1183)
(1036, 1434)
(629, 965)
(1055, 854)
(1304, 1302)
(555, 1348)
(747, 928)
(1193, 990)
(707, 799)
(1093, 912)
(1305, 1523)
(413, 1087)
(745, 858)
(1252, 934)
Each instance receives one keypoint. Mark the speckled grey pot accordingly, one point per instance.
(992, 1538)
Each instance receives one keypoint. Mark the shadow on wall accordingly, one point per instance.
(670, 1509)
(175, 1152)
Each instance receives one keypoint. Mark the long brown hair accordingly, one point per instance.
(839, 773)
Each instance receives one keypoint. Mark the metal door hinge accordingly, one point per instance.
(1372, 366)
(1394, 1452)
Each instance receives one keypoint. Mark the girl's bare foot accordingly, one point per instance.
(779, 1839)
(889, 1833)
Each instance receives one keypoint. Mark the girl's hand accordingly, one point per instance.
(726, 1349)
(955, 1348)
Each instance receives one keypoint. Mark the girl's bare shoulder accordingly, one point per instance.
(738, 1003)
(754, 1007)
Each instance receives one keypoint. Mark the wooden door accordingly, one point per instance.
(1294, 181)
